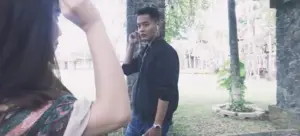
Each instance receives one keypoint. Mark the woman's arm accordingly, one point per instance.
(111, 109)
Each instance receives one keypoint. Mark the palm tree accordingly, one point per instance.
(234, 53)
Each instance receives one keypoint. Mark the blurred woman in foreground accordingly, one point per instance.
(33, 101)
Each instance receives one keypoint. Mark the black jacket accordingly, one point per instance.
(158, 79)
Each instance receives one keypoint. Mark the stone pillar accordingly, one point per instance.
(132, 7)
(286, 113)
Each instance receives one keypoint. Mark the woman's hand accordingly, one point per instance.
(81, 12)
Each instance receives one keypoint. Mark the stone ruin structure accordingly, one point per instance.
(286, 113)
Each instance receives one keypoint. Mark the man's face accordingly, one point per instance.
(147, 27)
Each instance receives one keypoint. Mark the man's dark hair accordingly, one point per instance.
(151, 11)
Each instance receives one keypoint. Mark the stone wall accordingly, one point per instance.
(288, 65)
(288, 56)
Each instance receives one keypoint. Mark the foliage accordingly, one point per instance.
(225, 81)
(180, 15)
(225, 76)
(256, 23)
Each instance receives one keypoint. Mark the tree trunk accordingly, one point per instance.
(234, 52)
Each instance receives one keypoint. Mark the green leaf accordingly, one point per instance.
(180, 15)
(242, 69)
(222, 73)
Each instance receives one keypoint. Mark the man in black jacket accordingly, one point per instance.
(155, 95)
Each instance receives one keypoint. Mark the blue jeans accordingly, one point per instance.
(138, 127)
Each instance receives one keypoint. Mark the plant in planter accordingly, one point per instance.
(225, 81)
(232, 76)
(237, 108)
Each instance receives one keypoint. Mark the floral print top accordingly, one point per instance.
(50, 120)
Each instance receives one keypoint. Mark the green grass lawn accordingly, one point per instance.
(194, 116)
(198, 93)
(198, 120)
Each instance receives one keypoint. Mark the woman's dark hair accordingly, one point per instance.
(27, 54)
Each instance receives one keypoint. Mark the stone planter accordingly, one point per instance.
(258, 113)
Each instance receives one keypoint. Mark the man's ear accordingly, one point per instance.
(157, 30)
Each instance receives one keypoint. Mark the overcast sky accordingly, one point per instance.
(113, 14)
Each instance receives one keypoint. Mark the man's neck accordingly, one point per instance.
(149, 42)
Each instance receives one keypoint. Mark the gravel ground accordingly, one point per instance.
(198, 93)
